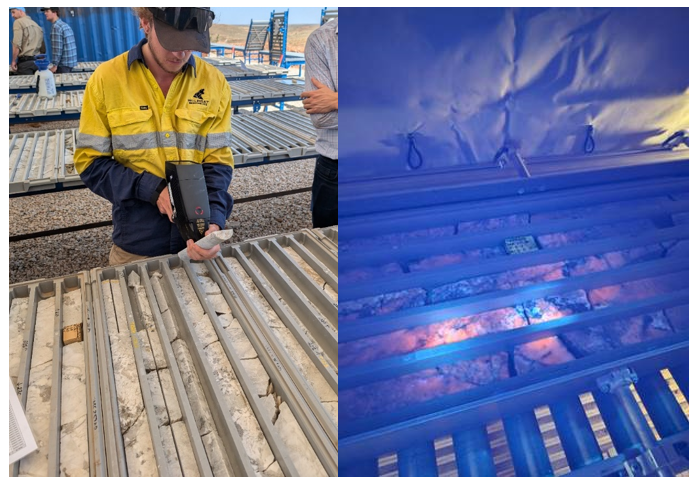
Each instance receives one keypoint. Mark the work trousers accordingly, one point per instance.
(27, 67)
(324, 193)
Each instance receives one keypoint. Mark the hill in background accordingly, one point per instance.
(236, 35)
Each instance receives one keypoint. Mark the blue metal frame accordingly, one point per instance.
(359, 199)
(324, 15)
(58, 88)
(418, 460)
(451, 213)
(425, 315)
(281, 48)
(369, 438)
(43, 118)
(526, 445)
(463, 270)
(473, 454)
(575, 433)
(663, 408)
(277, 102)
(471, 348)
(419, 248)
(248, 53)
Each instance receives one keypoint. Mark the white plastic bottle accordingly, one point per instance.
(46, 80)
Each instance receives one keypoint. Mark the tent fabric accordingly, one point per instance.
(437, 88)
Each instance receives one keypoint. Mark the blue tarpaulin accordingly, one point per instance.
(429, 89)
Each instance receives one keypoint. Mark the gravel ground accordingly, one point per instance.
(65, 254)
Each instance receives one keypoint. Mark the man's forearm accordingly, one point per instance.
(15, 53)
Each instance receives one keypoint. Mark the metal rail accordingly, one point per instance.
(73, 410)
(67, 105)
(43, 160)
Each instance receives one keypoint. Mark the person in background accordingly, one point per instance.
(64, 57)
(27, 41)
(320, 102)
(155, 103)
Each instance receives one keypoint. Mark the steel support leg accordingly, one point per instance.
(419, 460)
(665, 411)
(576, 436)
(526, 445)
(473, 454)
(681, 376)
(364, 469)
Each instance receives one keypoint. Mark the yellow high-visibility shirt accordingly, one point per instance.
(125, 114)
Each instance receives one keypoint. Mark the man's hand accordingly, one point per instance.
(53, 69)
(164, 203)
(14, 65)
(197, 253)
(319, 101)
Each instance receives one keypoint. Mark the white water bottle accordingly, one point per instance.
(46, 80)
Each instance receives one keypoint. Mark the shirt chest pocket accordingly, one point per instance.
(129, 121)
(196, 122)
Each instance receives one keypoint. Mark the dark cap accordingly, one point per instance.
(52, 9)
(183, 28)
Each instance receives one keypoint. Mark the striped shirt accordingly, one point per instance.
(64, 48)
(321, 64)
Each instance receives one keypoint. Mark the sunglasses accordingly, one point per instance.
(183, 18)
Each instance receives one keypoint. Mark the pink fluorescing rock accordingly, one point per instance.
(586, 212)
(535, 355)
(580, 342)
(369, 273)
(397, 239)
(435, 262)
(444, 260)
(635, 290)
(586, 341)
(553, 307)
(559, 239)
(422, 386)
(638, 329)
(477, 226)
(633, 256)
(586, 265)
(531, 356)
(531, 275)
(464, 288)
(494, 282)
(381, 305)
(679, 318)
(424, 337)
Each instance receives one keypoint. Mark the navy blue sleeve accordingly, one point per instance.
(115, 182)
(218, 177)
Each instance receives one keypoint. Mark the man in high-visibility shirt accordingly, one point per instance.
(149, 105)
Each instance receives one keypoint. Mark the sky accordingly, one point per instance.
(243, 15)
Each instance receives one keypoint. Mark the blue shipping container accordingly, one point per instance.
(101, 33)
